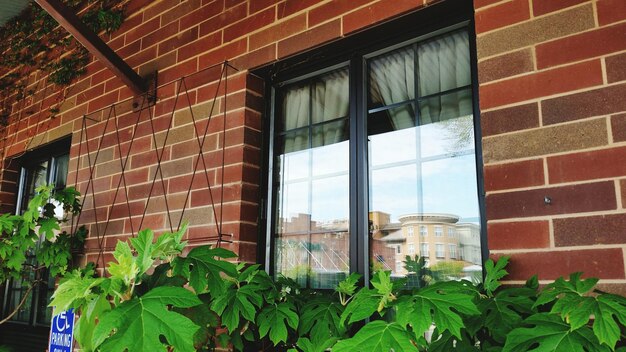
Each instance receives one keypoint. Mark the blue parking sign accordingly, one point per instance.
(62, 332)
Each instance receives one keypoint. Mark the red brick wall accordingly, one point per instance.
(552, 86)
(180, 38)
(551, 93)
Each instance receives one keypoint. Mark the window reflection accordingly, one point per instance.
(312, 183)
(422, 167)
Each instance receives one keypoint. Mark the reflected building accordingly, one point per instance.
(434, 237)
(313, 253)
(316, 254)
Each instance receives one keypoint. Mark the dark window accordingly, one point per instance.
(385, 138)
(48, 165)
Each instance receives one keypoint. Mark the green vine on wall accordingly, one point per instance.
(33, 42)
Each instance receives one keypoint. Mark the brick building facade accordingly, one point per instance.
(548, 87)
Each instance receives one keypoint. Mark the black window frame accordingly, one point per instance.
(50, 153)
(422, 24)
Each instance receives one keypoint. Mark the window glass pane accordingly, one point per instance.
(452, 251)
(424, 250)
(392, 119)
(331, 159)
(448, 189)
(330, 203)
(387, 143)
(293, 141)
(23, 315)
(17, 292)
(423, 175)
(392, 78)
(60, 177)
(293, 210)
(296, 107)
(46, 289)
(444, 63)
(448, 138)
(312, 185)
(394, 191)
(446, 107)
(439, 250)
(36, 175)
(330, 133)
(330, 96)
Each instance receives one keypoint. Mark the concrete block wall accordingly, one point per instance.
(552, 86)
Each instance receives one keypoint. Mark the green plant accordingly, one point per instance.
(33, 241)
(35, 42)
(144, 305)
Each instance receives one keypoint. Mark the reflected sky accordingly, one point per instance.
(448, 174)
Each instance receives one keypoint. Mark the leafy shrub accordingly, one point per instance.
(32, 242)
(156, 299)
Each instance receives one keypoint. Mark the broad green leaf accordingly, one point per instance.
(203, 269)
(532, 283)
(87, 322)
(441, 303)
(548, 333)
(320, 318)
(574, 309)
(382, 283)
(15, 261)
(143, 245)
(48, 226)
(223, 340)
(274, 319)
(69, 197)
(348, 285)
(505, 310)
(378, 336)
(364, 303)
(7, 223)
(570, 301)
(575, 286)
(446, 342)
(415, 264)
(74, 292)
(126, 268)
(306, 345)
(236, 340)
(160, 277)
(169, 244)
(611, 310)
(235, 303)
(138, 324)
(206, 319)
(494, 272)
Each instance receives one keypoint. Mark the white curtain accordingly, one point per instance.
(325, 99)
(330, 101)
(392, 81)
(296, 107)
(443, 65)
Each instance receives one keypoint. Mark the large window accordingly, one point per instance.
(42, 167)
(365, 151)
